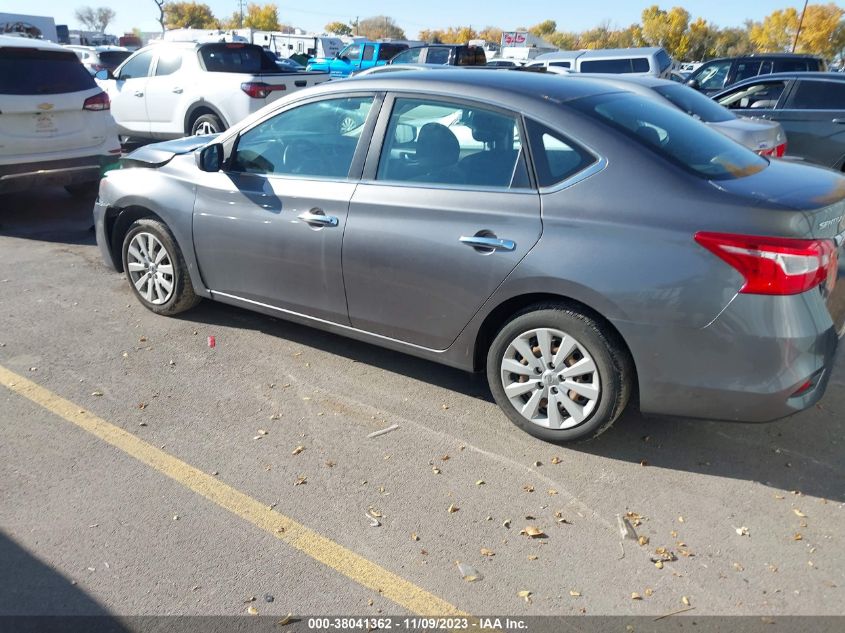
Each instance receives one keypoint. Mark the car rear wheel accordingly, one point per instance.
(559, 374)
(156, 269)
(207, 124)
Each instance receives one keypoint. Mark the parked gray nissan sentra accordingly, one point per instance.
(582, 245)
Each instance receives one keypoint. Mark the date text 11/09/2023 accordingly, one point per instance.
(415, 624)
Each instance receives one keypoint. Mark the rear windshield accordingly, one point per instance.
(29, 71)
(673, 135)
(114, 58)
(236, 58)
(695, 104)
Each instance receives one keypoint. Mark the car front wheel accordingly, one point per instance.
(156, 269)
(559, 374)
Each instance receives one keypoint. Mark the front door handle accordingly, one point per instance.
(177, 90)
(839, 121)
(316, 217)
(139, 94)
(491, 243)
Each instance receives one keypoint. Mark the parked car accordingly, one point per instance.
(543, 252)
(55, 124)
(171, 89)
(810, 106)
(654, 61)
(357, 56)
(717, 74)
(96, 58)
(442, 55)
(766, 138)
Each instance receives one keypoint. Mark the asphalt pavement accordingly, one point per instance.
(730, 518)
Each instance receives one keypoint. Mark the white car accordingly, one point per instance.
(96, 58)
(171, 89)
(55, 124)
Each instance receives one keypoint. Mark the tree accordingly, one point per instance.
(703, 37)
(262, 17)
(94, 19)
(380, 26)
(432, 36)
(338, 28)
(732, 42)
(667, 29)
(823, 32)
(544, 28)
(776, 32)
(161, 18)
(189, 15)
(490, 34)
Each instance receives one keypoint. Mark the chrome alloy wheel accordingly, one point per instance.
(150, 268)
(205, 128)
(550, 378)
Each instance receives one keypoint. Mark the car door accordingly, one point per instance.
(368, 57)
(445, 211)
(165, 89)
(127, 93)
(758, 99)
(347, 60)
(268, 228)
(813, 116)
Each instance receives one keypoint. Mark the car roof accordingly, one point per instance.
(505, 87)
(798, 74)
(28, 42)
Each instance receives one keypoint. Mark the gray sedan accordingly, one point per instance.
(767, 138)
(507, 223)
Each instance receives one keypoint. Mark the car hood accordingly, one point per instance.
(158, 154)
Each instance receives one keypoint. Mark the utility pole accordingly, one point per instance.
(241, 11)
(800, 24)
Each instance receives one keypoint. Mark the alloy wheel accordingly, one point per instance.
(150, 268)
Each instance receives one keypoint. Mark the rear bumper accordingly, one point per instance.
(22, 176)
(746, 366)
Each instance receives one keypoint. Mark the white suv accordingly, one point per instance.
(55, 125)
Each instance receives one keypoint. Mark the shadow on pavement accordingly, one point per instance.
(48, 215)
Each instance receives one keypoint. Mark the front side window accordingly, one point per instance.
(555, 158)
(673, 135)
(747, 69)
(454, 144)
(712, 76)
(369, 52)
(818, 95)
(351, 52)
(410, 56)
(759, 96)
(138, 66)
(315, 140)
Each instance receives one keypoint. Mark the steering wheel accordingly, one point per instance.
(299, 153)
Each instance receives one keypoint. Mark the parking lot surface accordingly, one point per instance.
(275, 421)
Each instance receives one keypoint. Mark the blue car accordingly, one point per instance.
(357, 56)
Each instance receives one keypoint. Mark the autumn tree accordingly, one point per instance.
(776, 32)
(668, 29)
(823, 31)
(338, 28)
(490, 34)
(380, 26)
(433, 36)
(262, 17)
(544, 28)
(189, 15)
(731, 42)
(458, 35)
(702, 39)
(94, 19)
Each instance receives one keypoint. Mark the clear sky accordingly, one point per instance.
(415, 15)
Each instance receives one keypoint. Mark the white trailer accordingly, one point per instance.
(38, 26)
(298, 43)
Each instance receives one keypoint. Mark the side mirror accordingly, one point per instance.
(103, 74)
(210, 158)
(693, 83)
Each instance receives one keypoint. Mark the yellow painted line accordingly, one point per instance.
(343, 560)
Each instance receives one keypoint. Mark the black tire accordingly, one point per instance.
(83, 189)
(211, 123)
(182, 297)
(611, 358)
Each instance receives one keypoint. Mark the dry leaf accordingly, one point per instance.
(532, 532)
(525, 595)
(636, 596)
(252, 610)
(435, 470)
(487, 552)
(414, 536)
(480, 482)
(738, 567)
(659, 564)
(528, 488)
(506, 524)
(575, 594)
(262, 432)
(685, 600)
(452, 509)
(96, 393)
(552, 492)
(743, 531)
(797, 536)
(297, 450)
(798, 513)
(643, 540)
(285, 620)
(680, 519)
(302, 479)
(649, 592)
(445, 458)
(634, 518)
(555, 459)
(375, 512)
(532, 557)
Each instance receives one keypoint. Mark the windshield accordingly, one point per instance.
(673, 135)
(236, 58)
(695, 104)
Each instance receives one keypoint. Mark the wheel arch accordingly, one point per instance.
(507, 309)
(197, 110)
(117, 223)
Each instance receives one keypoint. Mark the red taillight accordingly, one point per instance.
(259, 90)
(774, 265)
(99, 101)
(774, 152)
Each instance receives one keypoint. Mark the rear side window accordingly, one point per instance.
(747, 69)
(663, 60)
(26, 71)
(437, 56)
(673, 135)
(235, 58)
(369, 52)
(169, 63)
(114, 58)
(555, 157)
(818, 95)
(411, 56)
(620, 66)
(793, 65)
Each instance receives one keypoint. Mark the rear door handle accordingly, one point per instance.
(177, 90)
(316, 217)
(839, 121)
(492, 243)
(139, 94)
